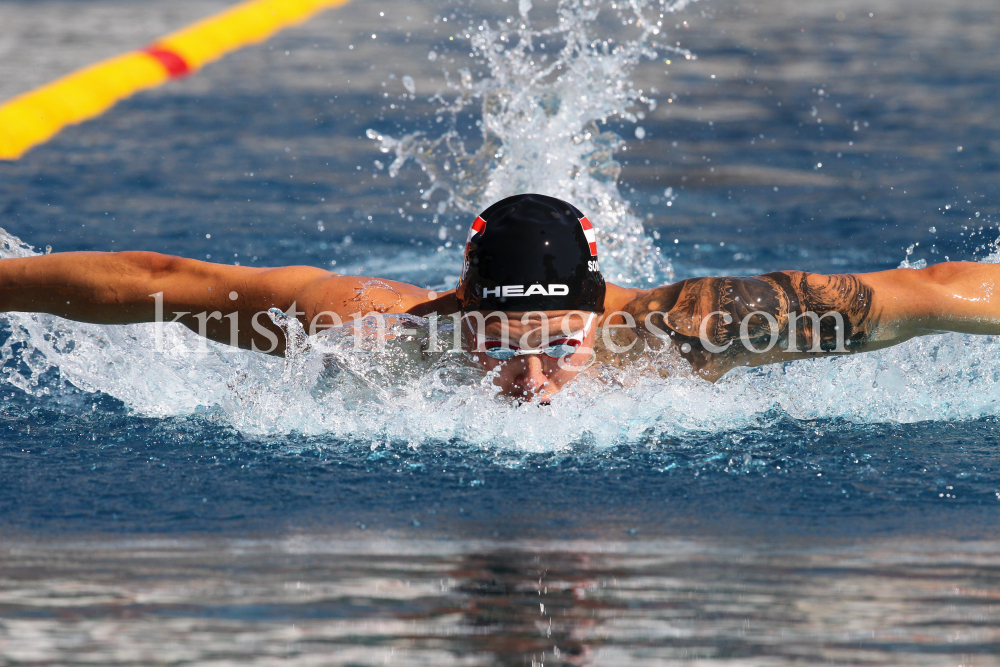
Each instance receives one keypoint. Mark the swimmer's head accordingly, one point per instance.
(531, 252)
(534, 258)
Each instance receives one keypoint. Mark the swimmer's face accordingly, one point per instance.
(533, 377)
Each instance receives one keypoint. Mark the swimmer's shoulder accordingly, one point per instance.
(620, 300)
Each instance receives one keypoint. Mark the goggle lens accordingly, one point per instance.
(501, 353)
(562, 347)
(554, 351)
(562, 350)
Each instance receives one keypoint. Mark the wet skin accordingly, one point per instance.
(875, 309)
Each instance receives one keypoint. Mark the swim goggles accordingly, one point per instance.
(556, 349)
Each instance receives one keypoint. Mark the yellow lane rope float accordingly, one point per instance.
(36, 116)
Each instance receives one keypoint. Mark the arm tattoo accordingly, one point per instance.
(814, 305)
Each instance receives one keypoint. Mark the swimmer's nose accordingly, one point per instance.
(532, 381)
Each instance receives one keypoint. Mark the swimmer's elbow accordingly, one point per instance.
(156, 265)
(157, 270)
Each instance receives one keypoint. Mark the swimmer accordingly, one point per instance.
(531, 300)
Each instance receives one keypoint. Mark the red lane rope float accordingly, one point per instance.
(174, 64)
(35, 117)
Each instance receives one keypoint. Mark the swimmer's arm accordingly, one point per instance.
(121, 288)
(876, 309)
(961, 297)
(887, 308)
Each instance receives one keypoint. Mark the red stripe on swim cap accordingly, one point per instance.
(588, 231)
(478, 225)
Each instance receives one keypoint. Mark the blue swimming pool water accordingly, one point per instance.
(837, 512)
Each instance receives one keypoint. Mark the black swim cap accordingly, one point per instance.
(531, 252)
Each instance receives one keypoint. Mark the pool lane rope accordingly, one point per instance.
(36, 116)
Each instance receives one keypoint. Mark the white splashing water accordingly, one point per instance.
(542, 104)
(332, 388)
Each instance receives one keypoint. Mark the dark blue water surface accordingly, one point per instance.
(241, 162)
(108, 472)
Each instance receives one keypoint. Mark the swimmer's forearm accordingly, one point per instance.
(101, 288)
(120, 288)
(727, 322)
(214, 300)
(962, 297)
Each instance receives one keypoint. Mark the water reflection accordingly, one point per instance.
(331, 601)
